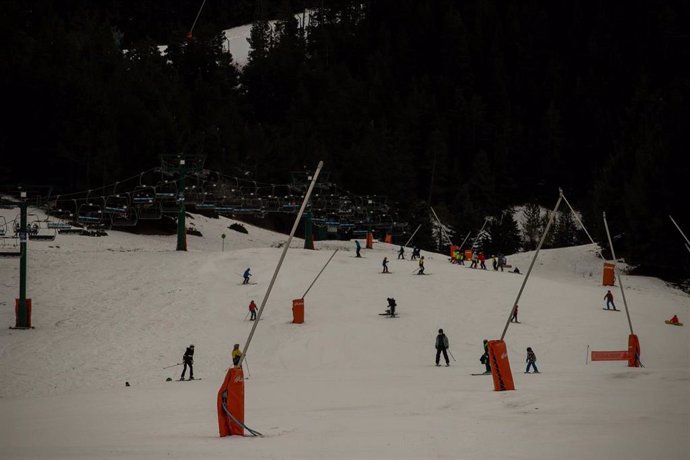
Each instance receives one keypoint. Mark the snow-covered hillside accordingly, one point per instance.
(346, 384)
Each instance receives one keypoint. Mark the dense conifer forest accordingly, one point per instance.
(469, 106)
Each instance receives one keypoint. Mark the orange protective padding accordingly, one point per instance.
(500, 366)
(609, 355)
(28, 312)
(633, 351)
(468, 254)
(370, 240)
(231, 394)
(609, 274)
(388, 238)
(453, 248)
(298, 311)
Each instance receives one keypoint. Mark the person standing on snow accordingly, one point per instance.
(513, 317)
(609, 300)
(236, 355)
(442, 347)
(385, 265)
(252, 310)
(188, 360)
(401, 253)
(421, 266)
(531, 361)
(415, 253)
(246, 276)
(358, 248)
(475, 259)
(484, 359)
(482, 258)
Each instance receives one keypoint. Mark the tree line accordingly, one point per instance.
(470, 107)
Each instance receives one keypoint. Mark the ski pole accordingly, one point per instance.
(451, 355)
(168, 367)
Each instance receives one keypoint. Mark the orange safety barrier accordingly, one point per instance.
(609, 355)
(609, 274)
(370, 240)
(298, 311)
(500, 366)
(231, 395)
(28, 312)
(633, 351)
(388, 238)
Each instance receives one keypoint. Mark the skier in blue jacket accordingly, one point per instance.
(246, 276)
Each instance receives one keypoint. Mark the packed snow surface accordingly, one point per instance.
(346, 384)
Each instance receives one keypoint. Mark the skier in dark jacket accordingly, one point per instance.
(442, 347)
(391, 306)
(385, 265)
(609, 300)
(246, 276)
(485, 357)
(358, 248)
(401, 253)
(415, 253)
(531, 361)
(188, 360)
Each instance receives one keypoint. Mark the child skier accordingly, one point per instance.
(513, 318)
(415, 253)
(442, 347)
(401, 253)
(246, 276)
(358, 248)
(609, 300)
(421, 266)
(391, 307)
(385, 265)
(188, 360)
(531, 361)
(252, 310)
(484, 359)
(482, 258)
(236, 355)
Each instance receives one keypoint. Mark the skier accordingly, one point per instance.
(514, 318)
(674, 320)
(252, 310)
(459, 257)
(421, 266)
(385, 265)
(236, 355)
(358, 247)
(415, 253)
(475, 259)
(442, 347)
(501, 261)
(482, 258)
(391, 306)
(531, 361)
(484, 359)
(401, 253)
(188, 360)
(246, 276)
(609, 300)
(494, 263)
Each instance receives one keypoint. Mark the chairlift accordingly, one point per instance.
(127, 218)
(90, 213)
(117, 204)
(152, 211)
(143, 195)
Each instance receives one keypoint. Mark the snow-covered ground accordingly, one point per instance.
(348, 383)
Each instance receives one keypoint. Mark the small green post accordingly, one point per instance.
(181, 213)
(22, 309)
(308, 236)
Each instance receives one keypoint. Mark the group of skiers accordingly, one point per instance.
(442, 346)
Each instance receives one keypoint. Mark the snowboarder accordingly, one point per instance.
(236, 355)
(401, 253)
(252, 311)
(482, 258)
(484, 359)
(385, 265)
(391, 306)
(514, 318)
(531, 361)
(609, 300)
(421, 266)
(442, 347)
(246, 276)
(358, 248)
(188, 360)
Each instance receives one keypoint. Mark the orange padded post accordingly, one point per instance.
(468, 254)
(633, 351)
(388, 238)
(609, 274)
(500, 366)
(453, 248)
(370, 240)
(231, 395)
(298, 311)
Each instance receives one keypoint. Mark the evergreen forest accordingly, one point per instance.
(470, 107)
